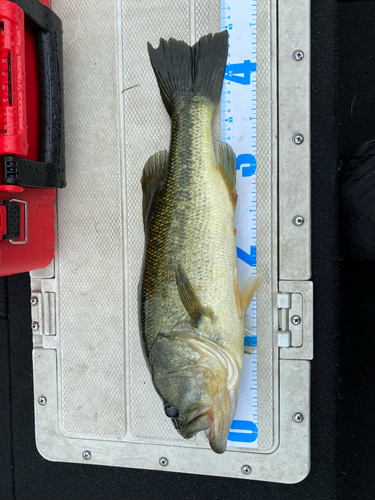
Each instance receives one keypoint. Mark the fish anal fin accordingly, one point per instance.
(189, 298)
(237, 294)
(226, 160)
(248, 289)
(153, 177)
(248, 349)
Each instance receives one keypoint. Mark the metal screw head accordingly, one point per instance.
(298, 139)
(42, 400)
(298, 220)
(298, 417)
(34, 301)
(35, 325)
(295, 320)
(298, 55)
(246, 469)
(86, 455)
(163, 461)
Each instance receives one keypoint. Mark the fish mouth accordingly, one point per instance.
(214, 421)
(200, 423)
(218, 431)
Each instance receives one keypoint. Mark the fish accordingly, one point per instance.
(192, 311)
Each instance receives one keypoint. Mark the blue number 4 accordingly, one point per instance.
(233, 72)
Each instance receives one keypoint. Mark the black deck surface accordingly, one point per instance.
(343, 374)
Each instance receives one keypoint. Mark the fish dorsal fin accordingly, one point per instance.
(226, 160)
(248, 289)
(153, 177)
(189, 298)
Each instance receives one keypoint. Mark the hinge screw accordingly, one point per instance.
(295, 320)
(163, 461)
(86, 455)
(35, 325)
(298, 220)
(298, 55)
(298, 417)
(298, 139)
(246, 469)
(42, 400)
(34, 301)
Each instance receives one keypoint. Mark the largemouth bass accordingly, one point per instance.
(192, 312)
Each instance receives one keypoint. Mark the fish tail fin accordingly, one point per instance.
(181, 69)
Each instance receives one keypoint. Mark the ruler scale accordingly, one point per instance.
(238, 129)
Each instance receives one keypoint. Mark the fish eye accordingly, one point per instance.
(170, 411)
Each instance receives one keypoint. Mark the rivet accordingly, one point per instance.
(295, 320)
(246, 469)
(298, 220)
(298, 55)
(298, 417)
(86, 455)
(298, 139)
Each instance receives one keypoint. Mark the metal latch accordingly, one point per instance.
(295, 326)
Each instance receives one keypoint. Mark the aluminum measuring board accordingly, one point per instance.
(100, 406)
(238, 128)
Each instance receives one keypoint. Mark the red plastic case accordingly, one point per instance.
(20, 136)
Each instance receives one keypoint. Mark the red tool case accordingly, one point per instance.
(32, 161)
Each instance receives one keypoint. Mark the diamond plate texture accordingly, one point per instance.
(99, 214)
(265, 348)
(92, 396)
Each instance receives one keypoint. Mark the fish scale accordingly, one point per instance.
(187, 226)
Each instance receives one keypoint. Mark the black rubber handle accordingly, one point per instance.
(52, 156)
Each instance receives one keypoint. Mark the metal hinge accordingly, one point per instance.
(43, 317)
(295, 335)
(290, 319)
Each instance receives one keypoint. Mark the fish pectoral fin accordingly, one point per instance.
(189, 298)
(153, 177)
(227, 165)
(248, 290)
(250, 338)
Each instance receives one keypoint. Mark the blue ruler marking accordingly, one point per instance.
(238, 129)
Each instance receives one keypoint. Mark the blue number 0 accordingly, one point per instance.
(243, 437)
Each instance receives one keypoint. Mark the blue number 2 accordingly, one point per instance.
(249, 258)
(234, 72)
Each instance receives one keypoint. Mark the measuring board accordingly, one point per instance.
(238, 129)
(88, 362)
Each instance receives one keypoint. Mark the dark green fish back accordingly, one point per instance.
(178, 222)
